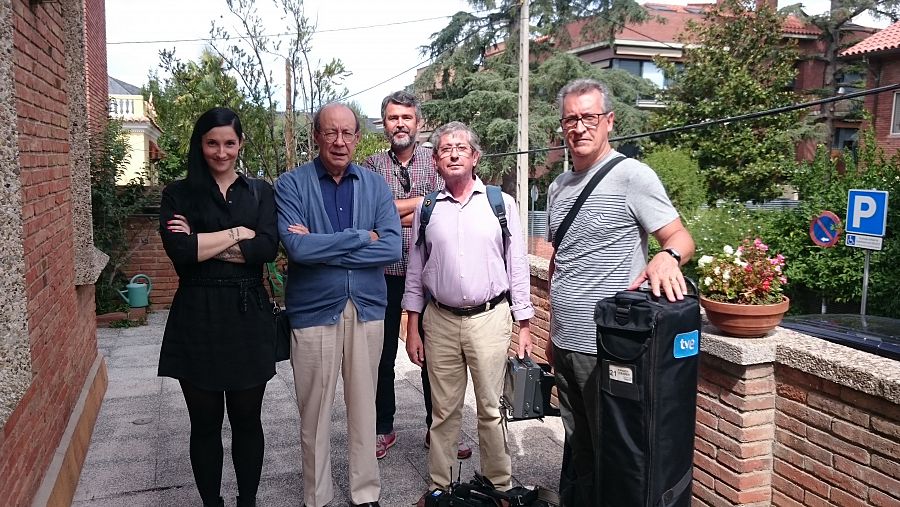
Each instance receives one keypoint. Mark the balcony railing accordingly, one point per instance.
(124, 106)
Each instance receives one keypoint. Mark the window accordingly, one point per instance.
(895, 119)
(642, 68)
(845, 138)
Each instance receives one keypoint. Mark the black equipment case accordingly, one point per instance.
(526, 390)
(648, 352)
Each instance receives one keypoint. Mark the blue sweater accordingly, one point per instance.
(326, 267)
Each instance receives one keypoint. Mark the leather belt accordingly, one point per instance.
(473, 310)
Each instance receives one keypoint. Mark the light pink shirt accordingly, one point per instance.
(461, 262)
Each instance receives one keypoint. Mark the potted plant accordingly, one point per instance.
(741, 289)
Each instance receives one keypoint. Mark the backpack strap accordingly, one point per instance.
(570, 216)
(425, 215)
(495, 198)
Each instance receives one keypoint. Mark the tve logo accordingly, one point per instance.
(687, 344)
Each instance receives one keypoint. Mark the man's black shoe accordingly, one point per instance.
(367, 504)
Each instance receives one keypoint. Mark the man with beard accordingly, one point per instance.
(408, 169)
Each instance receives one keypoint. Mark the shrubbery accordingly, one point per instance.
(816, 275)
(835, 274)
(680, 174)
(111, 205)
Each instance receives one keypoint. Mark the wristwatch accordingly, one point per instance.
(674, 253)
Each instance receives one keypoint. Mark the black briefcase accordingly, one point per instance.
(648, 352)
(526, 390)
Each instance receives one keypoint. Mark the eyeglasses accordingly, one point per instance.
(462, 150)
(589, 120)
(331, 136)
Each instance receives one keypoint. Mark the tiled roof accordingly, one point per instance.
(885, 40)
(796, 26)
(674, 21)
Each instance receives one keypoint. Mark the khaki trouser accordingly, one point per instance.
(317, 355)
(479, 342)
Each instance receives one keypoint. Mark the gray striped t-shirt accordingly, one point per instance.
(605, 248)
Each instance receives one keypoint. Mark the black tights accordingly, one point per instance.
(207, 410)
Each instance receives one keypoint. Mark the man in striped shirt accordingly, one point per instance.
(603, 252)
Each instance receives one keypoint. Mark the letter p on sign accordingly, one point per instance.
(867, 212)
(863, 207)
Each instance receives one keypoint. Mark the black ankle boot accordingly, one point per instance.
(219, 503)
(249, 502)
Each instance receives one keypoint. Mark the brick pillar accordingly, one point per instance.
(735, 433)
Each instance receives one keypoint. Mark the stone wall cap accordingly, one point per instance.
(862, 371)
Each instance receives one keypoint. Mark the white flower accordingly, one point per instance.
(728, 250)
(739, 262)
(707, 281)
(703, 261)
(717, 270)
(726, 275)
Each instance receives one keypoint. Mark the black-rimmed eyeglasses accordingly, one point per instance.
(589, 120)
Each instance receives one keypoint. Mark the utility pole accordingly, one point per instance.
(522, 157)
(290, 146)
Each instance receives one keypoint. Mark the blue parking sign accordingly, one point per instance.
(867, 212)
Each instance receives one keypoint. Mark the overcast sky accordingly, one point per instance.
(372, 53)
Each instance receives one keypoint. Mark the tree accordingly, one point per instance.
(191, 89)
(737, 62)
(236, 71)
(835, 25)
(311, 84)
(470, 36)
(487, 102)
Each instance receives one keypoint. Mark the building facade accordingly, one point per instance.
(52, 377)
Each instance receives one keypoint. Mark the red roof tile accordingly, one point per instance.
(885, 40)
(675, 19)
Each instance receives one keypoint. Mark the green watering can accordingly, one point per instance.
(137, 295)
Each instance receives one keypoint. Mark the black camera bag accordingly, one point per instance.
(648, 352)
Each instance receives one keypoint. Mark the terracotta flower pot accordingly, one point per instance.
(744, 321)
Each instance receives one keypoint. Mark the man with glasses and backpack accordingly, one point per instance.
(468, 266)
(409, 171)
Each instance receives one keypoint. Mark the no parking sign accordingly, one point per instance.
(825, 229)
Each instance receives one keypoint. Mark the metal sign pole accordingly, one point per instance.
(862, 306)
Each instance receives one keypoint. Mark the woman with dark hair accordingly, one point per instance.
(219, 227)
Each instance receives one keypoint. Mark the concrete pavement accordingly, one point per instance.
(139, 450)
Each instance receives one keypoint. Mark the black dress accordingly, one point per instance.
(220, 334)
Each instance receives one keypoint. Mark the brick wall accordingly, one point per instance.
(95, 66)
(60, 319)
(768, 434)
(150, 258)
(883, 72)
(735, 427)
(833, 445)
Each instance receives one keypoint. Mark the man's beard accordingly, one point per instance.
(400, 144)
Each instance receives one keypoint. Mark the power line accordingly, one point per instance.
(730, 119)
(266, 36)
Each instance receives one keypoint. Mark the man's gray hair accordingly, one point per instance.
(453, 127)
(402, 98)
(582, 86)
